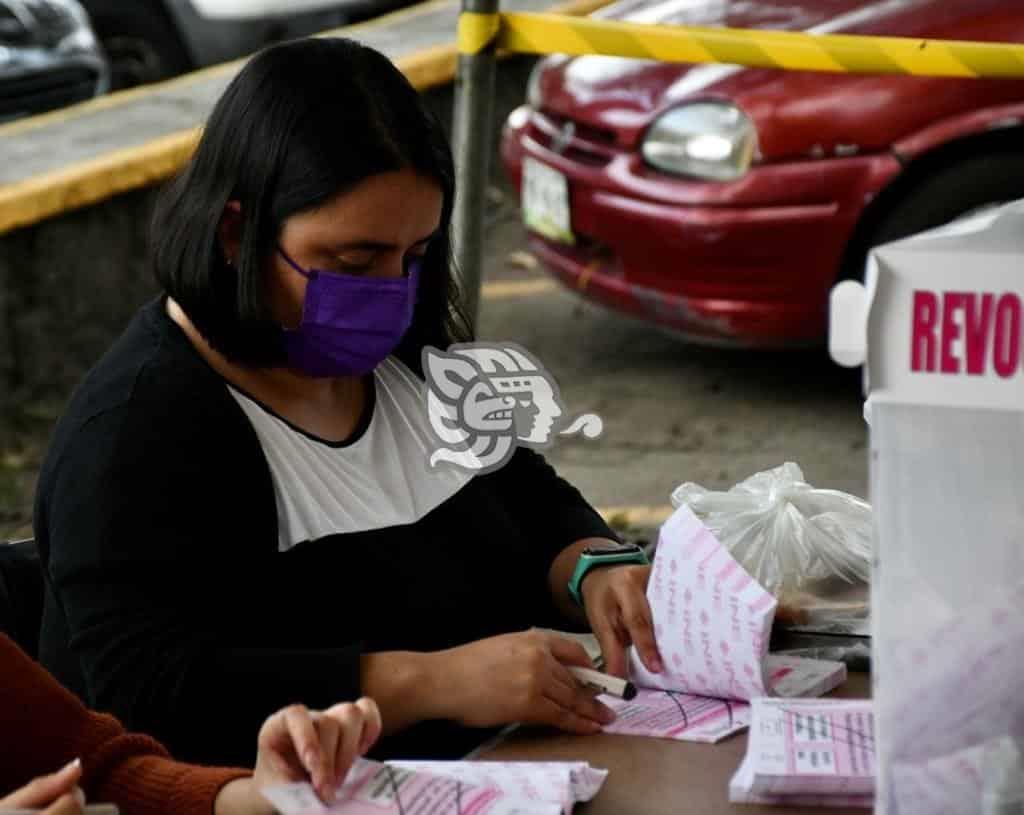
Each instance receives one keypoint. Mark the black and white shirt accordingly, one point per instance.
(379, 477)
(207, 564)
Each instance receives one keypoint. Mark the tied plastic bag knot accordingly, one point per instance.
(784, 532)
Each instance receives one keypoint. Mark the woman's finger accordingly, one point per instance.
(350, 721)
(372, 723)
(637, 618)
(551, 713)
(67, 804)
(330, 735)
(613, 649)
(565, 691)
(569, 652)
(275, 747)
(305, 741)
(45, 789)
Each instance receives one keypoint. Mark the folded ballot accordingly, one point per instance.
(808, 752)
(448, 788)
(712, 623)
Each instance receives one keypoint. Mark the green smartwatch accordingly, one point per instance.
(610, 554)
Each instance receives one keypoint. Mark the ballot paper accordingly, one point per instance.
(978, 780)
(670, 714)
(960, 680)
(448, 788)
(561, 781)
(712, 623)
(955, 690)
(809, 752)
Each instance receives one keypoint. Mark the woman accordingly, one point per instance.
(237, 508)
(44, 727)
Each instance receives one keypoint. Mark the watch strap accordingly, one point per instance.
(588, 562)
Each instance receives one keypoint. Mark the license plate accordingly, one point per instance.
(546, 201)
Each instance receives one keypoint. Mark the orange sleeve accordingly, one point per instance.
(44, 726)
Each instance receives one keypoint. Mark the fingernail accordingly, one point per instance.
(607, 715)
(71, 765)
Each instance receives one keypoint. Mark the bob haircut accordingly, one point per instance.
(303, 122)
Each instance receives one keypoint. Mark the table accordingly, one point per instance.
(658, 776)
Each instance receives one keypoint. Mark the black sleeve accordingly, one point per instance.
(153, 518)
(553, 510)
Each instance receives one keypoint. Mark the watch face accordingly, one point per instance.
(611, 549)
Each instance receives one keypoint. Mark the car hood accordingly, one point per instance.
(625, 95)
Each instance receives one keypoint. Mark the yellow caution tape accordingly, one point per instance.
(789, 50)
(477, 31)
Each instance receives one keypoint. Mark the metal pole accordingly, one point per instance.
(471, 134)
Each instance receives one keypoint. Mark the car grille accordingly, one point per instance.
(595, 135)
(40, 92)
(588, 145)
(55, 22)
(12, 30)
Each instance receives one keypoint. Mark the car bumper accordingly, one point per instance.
(743, 264)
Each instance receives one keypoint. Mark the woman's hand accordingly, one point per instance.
(296, 744)
(520, 677)
(54, 794)
(615, 601)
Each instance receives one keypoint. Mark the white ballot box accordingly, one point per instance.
(939, 327)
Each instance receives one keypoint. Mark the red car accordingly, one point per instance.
(723, 203)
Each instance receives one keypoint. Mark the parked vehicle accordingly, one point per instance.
(49, 57)
(723, 203)
(149, 40)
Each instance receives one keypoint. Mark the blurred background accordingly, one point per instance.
(663, 237)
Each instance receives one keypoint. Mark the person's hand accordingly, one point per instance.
(521, 677)
(296, 744)
(615, 601)
(55, 794)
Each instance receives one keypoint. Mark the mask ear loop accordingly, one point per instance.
(413, 267)
(296, 266)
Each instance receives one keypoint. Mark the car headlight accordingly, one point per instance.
(709, 140)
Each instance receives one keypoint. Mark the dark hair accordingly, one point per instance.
(302, 122)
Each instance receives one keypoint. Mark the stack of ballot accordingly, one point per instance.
(448, 788)
(712, 624)
(808, 752)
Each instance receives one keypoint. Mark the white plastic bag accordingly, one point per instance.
(789, 536)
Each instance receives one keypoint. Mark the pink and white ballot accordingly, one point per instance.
(808, 752)
(712, 623)
(448, 788)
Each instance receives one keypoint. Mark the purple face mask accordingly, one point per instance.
(349, 323)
